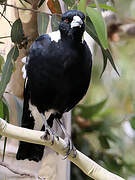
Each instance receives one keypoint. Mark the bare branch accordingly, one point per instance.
(18, 172)
(88, 166)
(28, 9)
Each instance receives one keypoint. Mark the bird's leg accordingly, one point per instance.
(67, 139)
(49, 133)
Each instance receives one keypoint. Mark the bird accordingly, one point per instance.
(57, 74)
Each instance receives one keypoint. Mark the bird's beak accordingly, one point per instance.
(76, 22)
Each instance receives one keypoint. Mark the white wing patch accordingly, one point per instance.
(55, 36)
(23, 68)
(37, 116)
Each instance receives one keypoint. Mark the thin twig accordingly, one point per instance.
(5, 37)
(29, 9)
(6, 19)
(17, 172)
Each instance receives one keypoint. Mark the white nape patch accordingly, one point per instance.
(76, 22)
(23, 68)
(37, 116)
(55, 36)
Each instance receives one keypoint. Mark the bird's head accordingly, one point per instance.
(72, 25)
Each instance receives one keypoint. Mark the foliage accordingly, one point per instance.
(97, 128)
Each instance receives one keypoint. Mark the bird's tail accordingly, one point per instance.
(28, 150)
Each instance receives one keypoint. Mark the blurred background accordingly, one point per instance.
(109, 129)
(103, 124)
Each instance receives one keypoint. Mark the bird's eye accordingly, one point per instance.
(66, 21)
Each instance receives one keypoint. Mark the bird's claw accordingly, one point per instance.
(49, 135)
(70, 147)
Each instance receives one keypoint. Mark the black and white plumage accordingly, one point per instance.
(57, 77)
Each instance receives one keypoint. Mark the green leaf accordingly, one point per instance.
(106, 53)
(17, 33)
(82, 6)
(6, 108)
(103, 6)
(104, 142)
(19, 108)
(40, 3)
(1, 1)
(87, 111)
(4, 150)
(43, 20)
(69, 2)
(132, 122)
(7, 69)
(99, 25)
(1, 63)
(1, 109)
(55, 20)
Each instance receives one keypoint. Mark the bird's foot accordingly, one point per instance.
(49, 134)
(71, 147)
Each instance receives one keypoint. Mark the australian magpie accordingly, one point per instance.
(57, 75)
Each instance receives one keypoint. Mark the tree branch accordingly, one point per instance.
(21, 173)
(88, 166)
(28, 9)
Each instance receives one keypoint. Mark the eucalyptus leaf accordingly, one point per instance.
(132, 122)
(6, 109)
(19, 108)
(104, 142)
(82, 6)
(106, 53)
(55, 20)
(41, 3)
(1, 63)
(99, 25)
(4, 149)
(1, 1)
(69, 2)
(43, 20)
(7, 69)
(103, 6)
(1, 109)
(17, 33)
(87, 111)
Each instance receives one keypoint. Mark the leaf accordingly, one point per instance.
(43, 20)
(40, 3)
(17, 33)
(132, 122)
(1, 63)
(1, 109)
(87, 111)
(82, 6)
(99, 25)
(69, 2)
(19, 108)
(103, 6)
(103, 141)
(6, 108)
(7, 69)
(54, 6)
(1, 1)
(109, 56)
(4, 149)
(105, 61)
(106, 53)
(55, 20)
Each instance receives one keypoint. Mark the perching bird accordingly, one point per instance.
(57, 77)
